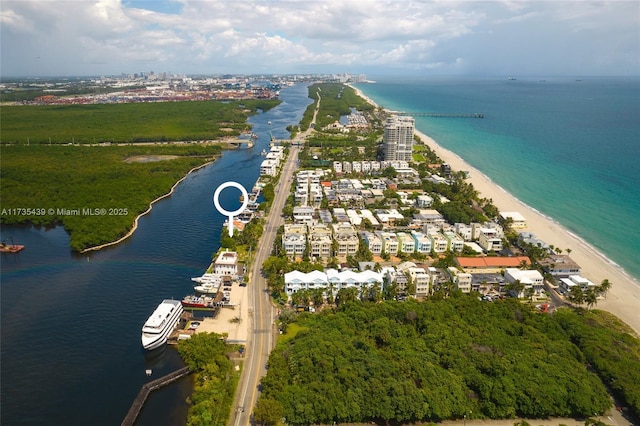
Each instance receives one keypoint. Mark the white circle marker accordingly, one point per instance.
(230, 215)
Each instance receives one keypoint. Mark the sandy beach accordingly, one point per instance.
(623, 300)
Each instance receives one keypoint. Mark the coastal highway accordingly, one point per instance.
(261, 311)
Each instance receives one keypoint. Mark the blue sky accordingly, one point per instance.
(104, 37)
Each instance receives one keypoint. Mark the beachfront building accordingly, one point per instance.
(531, 278)
(398, 138)
(294, 239)
(517, 220)
(560, 266)
(226, 263)
(566, 284)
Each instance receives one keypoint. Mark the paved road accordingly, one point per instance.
(261, 311)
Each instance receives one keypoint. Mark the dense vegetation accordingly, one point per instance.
(442, 359)
(336, 100)
(215, 378)
(609, 345)
(135, 122)
(96, 177)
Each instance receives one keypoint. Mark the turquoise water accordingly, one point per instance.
(568, 148)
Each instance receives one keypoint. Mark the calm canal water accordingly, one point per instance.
(70, 324)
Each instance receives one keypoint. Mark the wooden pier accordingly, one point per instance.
(147, 388)
(441, 114)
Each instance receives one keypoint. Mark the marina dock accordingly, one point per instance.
(147, 388)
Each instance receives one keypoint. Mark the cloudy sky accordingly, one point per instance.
(104, 37)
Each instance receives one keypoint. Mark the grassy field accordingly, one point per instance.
(137, 122)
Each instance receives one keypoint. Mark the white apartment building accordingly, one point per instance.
(462, 280)
(464, 230)
(356, 166)
(303, 214)
(347, 239)
(424, 201)
(398, 138)
(531, 279)
(421, 279)
(294, 239)
(337, 166)
(226, 263)
(489, 240)
(295, 281)
(566, 284)
(269, 168)
(320, 241)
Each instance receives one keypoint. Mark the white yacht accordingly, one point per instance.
(161, 323)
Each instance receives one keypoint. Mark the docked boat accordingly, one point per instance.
(207, 288)
(206, 278)
(160, 324)
(10, 248)
(193, 301)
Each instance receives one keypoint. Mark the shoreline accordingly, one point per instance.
(623, 300)
(135, 221)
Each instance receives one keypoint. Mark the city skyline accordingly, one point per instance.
(107, 37)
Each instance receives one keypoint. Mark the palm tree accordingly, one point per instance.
(576, 295)
(604, 287)
(591, 297)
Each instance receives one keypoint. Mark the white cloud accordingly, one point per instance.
(112, 36)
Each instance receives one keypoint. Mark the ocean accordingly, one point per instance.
(71, 324)
(568, 147)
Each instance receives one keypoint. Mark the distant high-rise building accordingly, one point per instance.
(398, 138)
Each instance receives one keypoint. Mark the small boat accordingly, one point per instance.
(193, 301)
(207, 288)
(10, 248)
(160, 324)
(269, 123)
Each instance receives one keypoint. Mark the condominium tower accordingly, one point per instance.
(398, 138)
